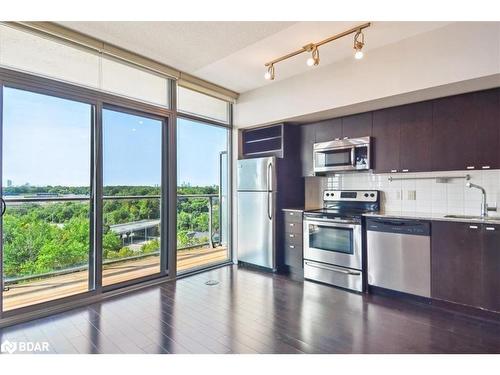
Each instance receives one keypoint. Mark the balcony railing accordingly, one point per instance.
(213, 229)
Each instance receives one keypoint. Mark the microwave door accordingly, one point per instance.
(333, 158)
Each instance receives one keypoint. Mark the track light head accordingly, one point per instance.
(314, 59)
(359, 42)
(269, 75)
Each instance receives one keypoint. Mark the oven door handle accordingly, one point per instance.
(332, 224)
(353, 156)
(334, 269)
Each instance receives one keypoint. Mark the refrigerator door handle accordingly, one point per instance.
(269, 205)
(270, 177)
(269, 182)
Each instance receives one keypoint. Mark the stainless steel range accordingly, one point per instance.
(333, 239)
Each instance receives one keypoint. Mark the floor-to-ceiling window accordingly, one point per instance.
(132, 196)
(86, 173)
(46, 184)
(202, 194)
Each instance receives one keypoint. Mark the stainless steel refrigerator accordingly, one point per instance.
(256, 190)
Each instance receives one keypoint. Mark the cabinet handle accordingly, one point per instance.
(291, 213)
(394, 170)
(405, 170)
(292, 225)
(291, 247)
(485, 167)
(490, 228)
(473, 226)
(291, 235)
(471, 167)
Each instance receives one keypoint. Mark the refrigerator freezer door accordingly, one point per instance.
(256, 174)
(256, 228)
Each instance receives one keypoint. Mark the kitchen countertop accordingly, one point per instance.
(295, 209)
(493, 219)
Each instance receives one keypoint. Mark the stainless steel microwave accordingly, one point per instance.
(342, 155)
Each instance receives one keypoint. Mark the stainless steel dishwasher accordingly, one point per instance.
(399, 255)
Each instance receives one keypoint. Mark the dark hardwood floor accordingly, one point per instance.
(253, 312)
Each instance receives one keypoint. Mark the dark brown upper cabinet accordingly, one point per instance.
(328, 130)
(456, 267)
(263, 141)
(307, 136)
(466, 131)
(498, 114)
(487, 129)
(359, 125)
(415, 137)
(386, 140)
(454, 132)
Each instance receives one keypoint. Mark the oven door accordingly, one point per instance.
(334, 159)
(332, 242)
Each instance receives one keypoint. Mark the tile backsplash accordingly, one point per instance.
(423, 195)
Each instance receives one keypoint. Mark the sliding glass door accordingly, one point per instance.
(47, 173)
(202, 195)
(46, 185)
(132, 196)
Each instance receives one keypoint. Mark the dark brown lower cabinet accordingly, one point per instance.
(456, 262)
(465, 264)
(292, 243)
(491, 267)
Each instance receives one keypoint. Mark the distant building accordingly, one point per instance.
(9, 183)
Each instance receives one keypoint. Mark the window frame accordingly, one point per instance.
(206, 122)
(164, 204)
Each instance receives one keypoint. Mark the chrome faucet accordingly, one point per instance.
(484, 205)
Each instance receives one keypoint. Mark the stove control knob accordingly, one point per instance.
(366, 195)
(372, 195)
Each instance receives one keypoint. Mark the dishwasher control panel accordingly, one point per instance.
(401, 226)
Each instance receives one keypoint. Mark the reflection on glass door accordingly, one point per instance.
(46, 174)
(202, 195)
(132, 175)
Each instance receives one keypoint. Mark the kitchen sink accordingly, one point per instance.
(465, 217)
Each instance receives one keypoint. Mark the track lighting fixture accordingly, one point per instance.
(270, 73)
(313, 60)
(359, 42)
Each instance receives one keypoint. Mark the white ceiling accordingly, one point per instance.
(232, 54)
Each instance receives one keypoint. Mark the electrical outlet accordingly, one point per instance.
(412, 195)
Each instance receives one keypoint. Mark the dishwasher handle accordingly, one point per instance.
(387, 222)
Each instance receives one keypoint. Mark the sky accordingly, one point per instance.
(46, 141)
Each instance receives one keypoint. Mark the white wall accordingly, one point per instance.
(459, 52)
